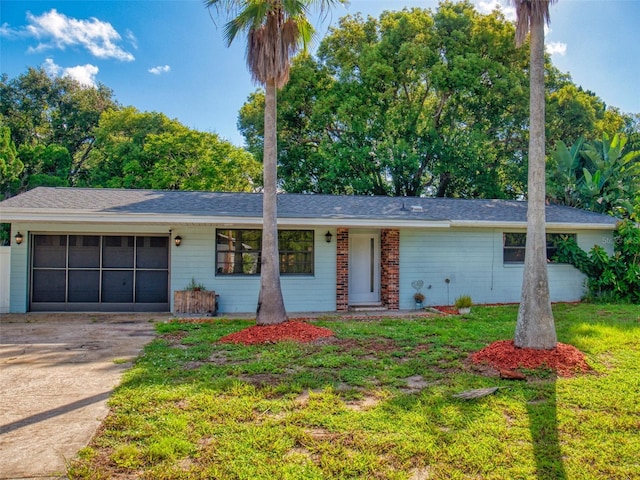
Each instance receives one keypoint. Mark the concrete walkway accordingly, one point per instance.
(56, 373)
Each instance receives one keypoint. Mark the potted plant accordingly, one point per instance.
(193, 286)
(194, 299)
(418, 297)
(463, 304)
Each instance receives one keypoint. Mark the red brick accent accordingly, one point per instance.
(342, 269)
(390, 259)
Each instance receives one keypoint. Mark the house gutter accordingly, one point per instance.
(128, 218)
(523, 225)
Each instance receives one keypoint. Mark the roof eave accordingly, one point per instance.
(521, 224)
(101, 217)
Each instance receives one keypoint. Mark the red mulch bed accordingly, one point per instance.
(448, 309)
(291, 330)
(565, 360)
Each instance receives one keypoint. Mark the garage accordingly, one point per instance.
(113, 273)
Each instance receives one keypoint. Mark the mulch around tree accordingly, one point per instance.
(565, 360)
(293, 330)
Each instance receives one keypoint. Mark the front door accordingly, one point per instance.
(364, 268)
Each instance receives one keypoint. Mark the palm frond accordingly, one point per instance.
(275, 30)
(527, 11)
(477, 393)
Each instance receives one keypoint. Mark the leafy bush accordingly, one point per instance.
(615, 278)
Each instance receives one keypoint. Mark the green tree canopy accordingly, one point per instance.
(417, 103)
(43, 111)
(148, 150)
(10, 165)
(600, 175)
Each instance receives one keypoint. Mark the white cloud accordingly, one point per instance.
(57, 31)
(160, 69)
(83, 74)
(51, 68)
(505, 6)
(8, 32)
(132, 39)
(558, 48)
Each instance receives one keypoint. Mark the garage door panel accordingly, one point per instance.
(84, 251)
(84, 286)
(149, 252)
(151, 287)
(117, 252)
(94, 272)
(49, 286)
(50, 251)
(117, 286)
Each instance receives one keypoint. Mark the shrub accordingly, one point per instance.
(463, 301)
(615, 278)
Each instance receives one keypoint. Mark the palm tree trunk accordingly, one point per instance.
(535, 326)
(270, 302)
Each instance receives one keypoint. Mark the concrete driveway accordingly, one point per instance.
(56, 373)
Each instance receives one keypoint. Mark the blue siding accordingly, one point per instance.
(18, 294)
(470, 258)
(471, 261)
(239, 294)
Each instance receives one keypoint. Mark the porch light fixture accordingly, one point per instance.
(19, 238)
(178, 240)
(328, 236)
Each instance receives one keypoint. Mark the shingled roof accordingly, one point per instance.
(75, 204)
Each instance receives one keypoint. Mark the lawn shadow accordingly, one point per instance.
(543, 423)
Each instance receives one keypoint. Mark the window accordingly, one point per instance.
(514, 246)
(238, 252)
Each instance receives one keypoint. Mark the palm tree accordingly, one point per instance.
(275, 30)
(535, 327)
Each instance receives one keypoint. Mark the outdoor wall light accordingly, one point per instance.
(178, 240)
(19, 238)
(328, 236)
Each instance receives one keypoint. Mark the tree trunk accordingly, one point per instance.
(535, 327)
(270, 302)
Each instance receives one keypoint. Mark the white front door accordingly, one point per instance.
(364, 268)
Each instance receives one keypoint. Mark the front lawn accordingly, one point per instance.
(375, 402)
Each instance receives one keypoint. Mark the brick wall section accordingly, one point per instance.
(390, 259)
(342, 269)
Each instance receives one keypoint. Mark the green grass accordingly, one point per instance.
(350, 408)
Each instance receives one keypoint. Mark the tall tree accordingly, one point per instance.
(10, 165)
(45, 111)
(275, 30)
(535, 327)
(412, 103)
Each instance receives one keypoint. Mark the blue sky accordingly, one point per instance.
(170, 57)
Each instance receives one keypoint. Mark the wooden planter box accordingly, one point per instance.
(194, 301)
